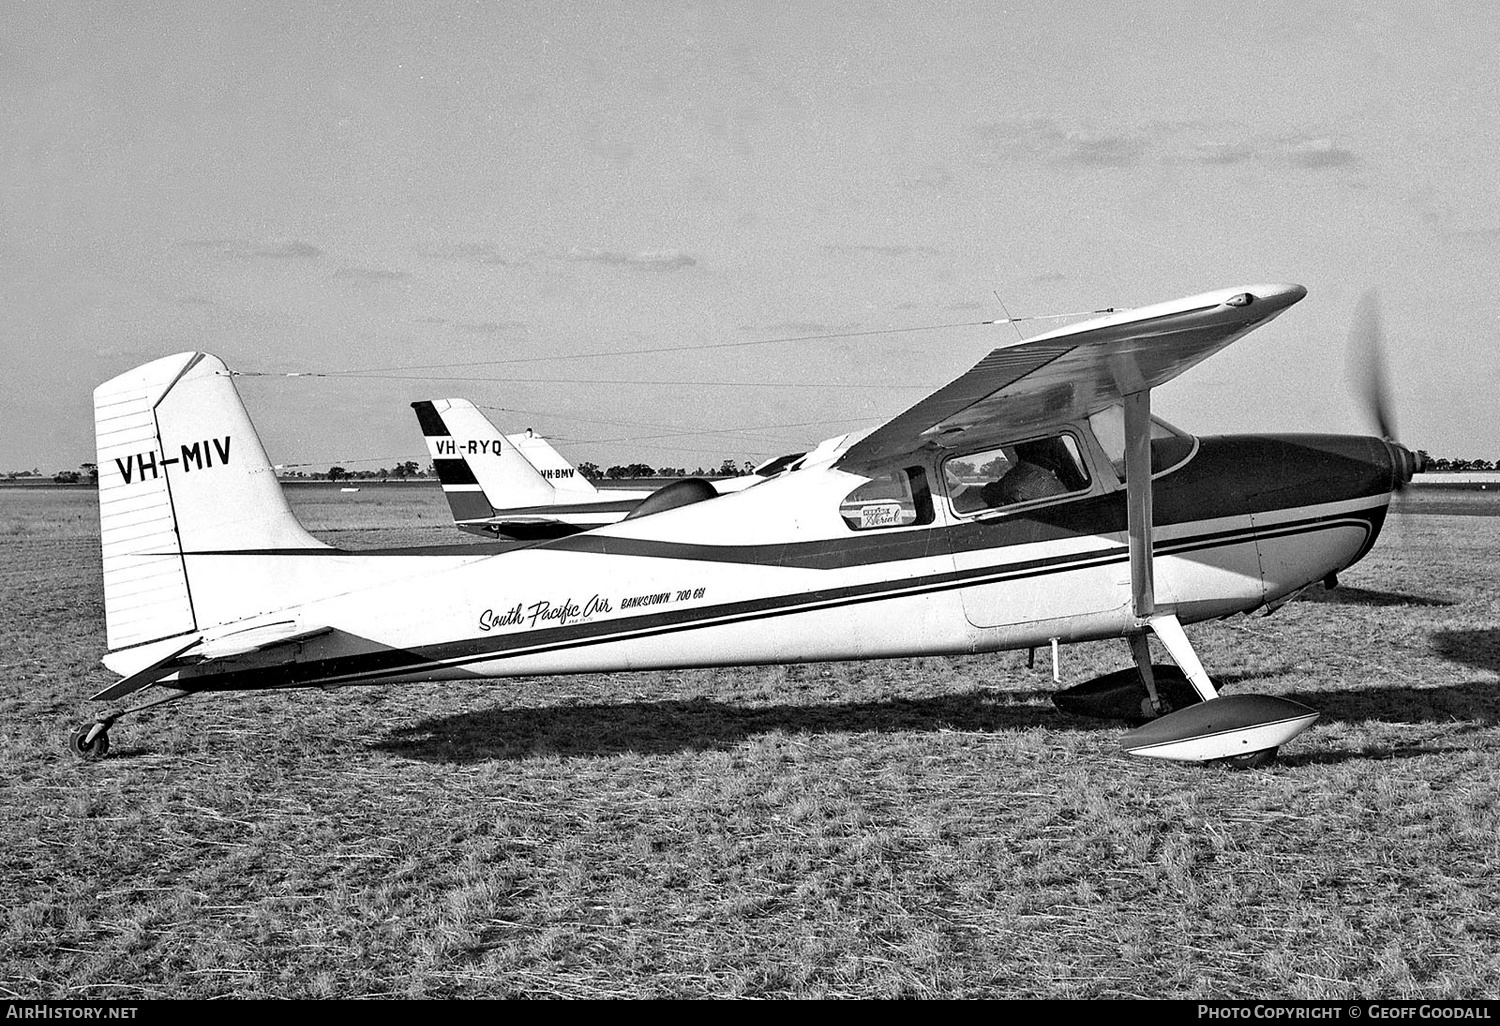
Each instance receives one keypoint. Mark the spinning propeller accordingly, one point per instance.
(1367, 354)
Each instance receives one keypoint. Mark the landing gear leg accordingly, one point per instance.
(1140, 649)
(90, 742)
(1170, 631)
(1241, 731)
(1171, 634)
(1175, 639)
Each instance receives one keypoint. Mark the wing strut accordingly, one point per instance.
(1142, 575)
(1138, 501)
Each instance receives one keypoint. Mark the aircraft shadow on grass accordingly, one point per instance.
(1299, 758)
(1476, 703)
(1346, 596)
(1479, 647)
(699, 724)
(688, 725)
(667, 726)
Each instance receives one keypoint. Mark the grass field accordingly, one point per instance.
(913, 828)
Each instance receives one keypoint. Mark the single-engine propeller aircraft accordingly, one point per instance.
(1032, 498)
(518, 486)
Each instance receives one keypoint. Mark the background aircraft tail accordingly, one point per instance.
(483, 471)
(571, 486)
(181, 471)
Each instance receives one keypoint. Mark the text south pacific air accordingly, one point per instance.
(549, 613)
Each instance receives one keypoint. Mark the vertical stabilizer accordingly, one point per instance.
(570, 484)
(481, 472)
(181, 470)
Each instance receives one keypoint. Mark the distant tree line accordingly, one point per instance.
(1441, 463)
(728, 468)
(86, 473)
(89, 472)
(400, 472)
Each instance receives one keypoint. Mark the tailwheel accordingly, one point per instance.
(86, 748)
(90, 742)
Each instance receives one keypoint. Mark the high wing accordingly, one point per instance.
(1073, 372)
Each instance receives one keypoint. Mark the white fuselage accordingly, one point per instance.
(768, 575)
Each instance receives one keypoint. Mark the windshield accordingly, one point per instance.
(1170, 446)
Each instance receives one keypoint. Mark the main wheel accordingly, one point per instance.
(1250, 760)
(88, 751)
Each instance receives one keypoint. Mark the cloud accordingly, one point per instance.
(370, 274)
(289, 251)
(489, 327)
(873, 250)
(1299, 152)
(472, 253)
(246, 249)
(1103, 151)
(1223, 153)
(653, 259)
(1314, 154)
(1047, 141)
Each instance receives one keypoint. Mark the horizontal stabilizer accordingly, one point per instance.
(264, 639)
(146, 676)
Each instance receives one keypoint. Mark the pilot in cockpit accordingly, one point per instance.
(1033, 470)
(1036, 474)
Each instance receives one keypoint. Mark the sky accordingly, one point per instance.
(412, 193)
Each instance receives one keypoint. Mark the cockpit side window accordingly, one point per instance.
(898, 499)
(1015, 474)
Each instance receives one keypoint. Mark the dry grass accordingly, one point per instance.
(895, 829)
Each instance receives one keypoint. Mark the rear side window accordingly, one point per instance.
(898, 499)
